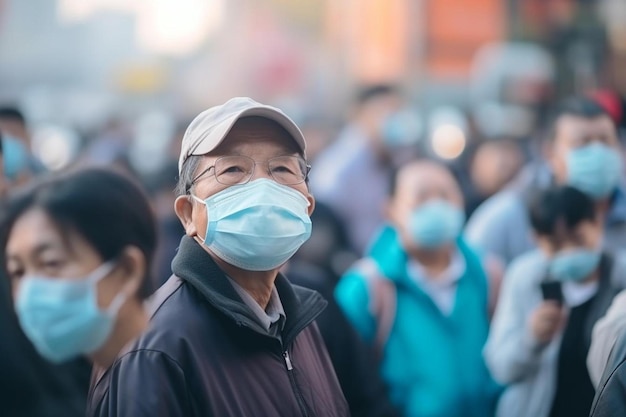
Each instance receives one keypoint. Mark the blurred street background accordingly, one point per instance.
(117, 81)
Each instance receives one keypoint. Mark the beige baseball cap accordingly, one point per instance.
(210, 127)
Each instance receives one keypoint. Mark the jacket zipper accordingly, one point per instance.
(294, 387)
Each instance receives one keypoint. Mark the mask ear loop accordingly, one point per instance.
(201, 202)
(98, 275)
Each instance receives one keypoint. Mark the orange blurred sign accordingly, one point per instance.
(456, 29)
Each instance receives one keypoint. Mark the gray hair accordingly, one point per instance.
(187, 174)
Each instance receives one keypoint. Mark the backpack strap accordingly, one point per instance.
(383, 300)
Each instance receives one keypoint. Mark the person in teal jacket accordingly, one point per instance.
(421, 296)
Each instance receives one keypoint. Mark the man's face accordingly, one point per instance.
(573, 132)
(586, 235)
(257, 138)
(419, 183)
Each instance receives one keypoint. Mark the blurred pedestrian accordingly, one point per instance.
(354, 360)
(550, 299)
(17, 169)
(606, 361)
(351, 174)
(493, 166)
(606, 333)
(421, 297)
(14, 125)
(77, 248)
(231, 336)
(161, 186)
(585, 153)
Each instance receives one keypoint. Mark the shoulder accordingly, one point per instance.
(180, 319)
(527, 269)
(609, 399)
(500, 206)
(618, 270)
(352, 290)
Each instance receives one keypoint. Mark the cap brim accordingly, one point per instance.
(224, 128)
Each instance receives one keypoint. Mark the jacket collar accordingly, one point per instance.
(195, 266)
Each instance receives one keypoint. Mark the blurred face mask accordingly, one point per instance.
(595, 169)
(256, 226)
(435, 223)
(401, 128)
(61, 317)
(574, 265)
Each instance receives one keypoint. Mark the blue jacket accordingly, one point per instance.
(432, 363)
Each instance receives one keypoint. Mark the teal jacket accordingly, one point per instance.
(432, 363)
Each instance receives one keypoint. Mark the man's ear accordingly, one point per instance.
(183, 206)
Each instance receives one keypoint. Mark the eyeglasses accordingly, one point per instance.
(236, 170)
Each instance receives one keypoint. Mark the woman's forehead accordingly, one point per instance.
(30, 230)
(35, 229)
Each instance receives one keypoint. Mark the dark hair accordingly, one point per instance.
(559, 205)
(369, 92)
(579, 107)
(106, 208)
(11, 113)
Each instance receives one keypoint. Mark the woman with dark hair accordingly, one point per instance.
(77, 248)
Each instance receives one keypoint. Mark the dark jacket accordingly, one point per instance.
(610, 399)
(356, 363)
(205, 355)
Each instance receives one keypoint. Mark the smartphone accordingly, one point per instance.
(551, 290)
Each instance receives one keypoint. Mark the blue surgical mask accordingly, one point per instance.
(595, 169)
(435, 224)
(15, 157)
(256, 226)
(574, 265)
(61, 317)
(401, 128)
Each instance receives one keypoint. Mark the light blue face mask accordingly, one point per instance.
(61, 316)
(256, 226)
(595, 169)
(435, 224)
(574, 265)
(401, 128)
(15, 157)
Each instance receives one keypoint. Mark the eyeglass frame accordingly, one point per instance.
(307, 167)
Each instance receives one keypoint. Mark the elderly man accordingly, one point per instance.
(585, 153)
(421, 296)
(230, 336)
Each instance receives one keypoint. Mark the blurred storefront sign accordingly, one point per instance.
(142, 78)
(454, 30)
(372, 35)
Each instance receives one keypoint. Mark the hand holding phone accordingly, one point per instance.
(551, 291)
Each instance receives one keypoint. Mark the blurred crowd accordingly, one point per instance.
(456, 287)
(409, 255)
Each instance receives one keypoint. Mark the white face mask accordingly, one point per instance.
(256, 226)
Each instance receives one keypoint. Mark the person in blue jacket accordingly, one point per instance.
(421, 296)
